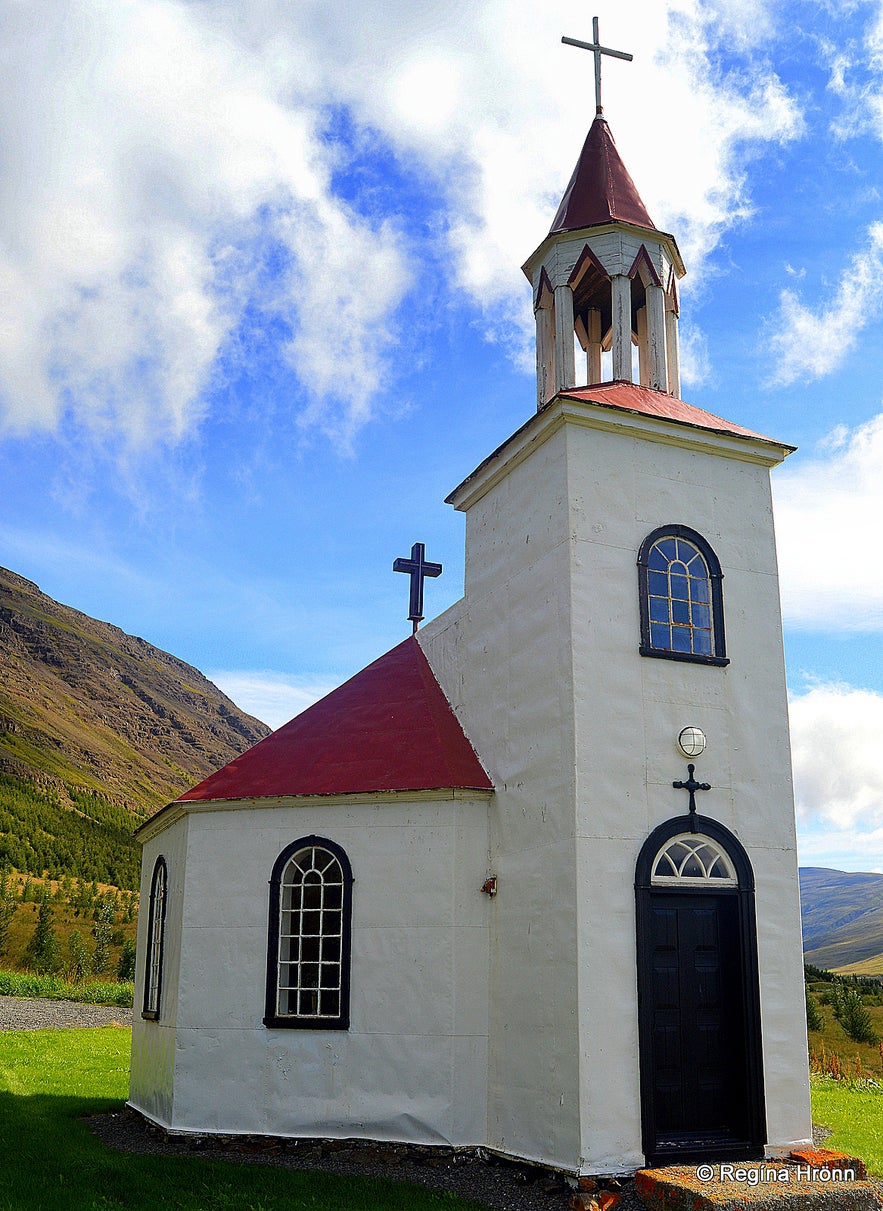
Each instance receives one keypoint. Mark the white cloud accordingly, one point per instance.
(841, 850)
(809, 343)
(159, 154)
(137, 193)
(694, 360)
(838, 775)
(832, 503)
(273, 697)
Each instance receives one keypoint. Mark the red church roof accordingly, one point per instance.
(632, 398)
(600, 189)
(389, 728)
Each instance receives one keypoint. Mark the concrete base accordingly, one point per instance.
(810, 1180)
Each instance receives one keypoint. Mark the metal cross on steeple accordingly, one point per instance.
(598, 50)
(692, 786)
(418, 569)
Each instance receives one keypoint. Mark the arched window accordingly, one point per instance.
(156, 923)
(308, 954)
(681, 600)
(691, 860)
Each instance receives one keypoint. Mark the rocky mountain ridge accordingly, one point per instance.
(97, 722)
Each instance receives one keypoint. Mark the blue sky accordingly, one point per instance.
(262, 309)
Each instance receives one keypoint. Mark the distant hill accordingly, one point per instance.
(98, 729)
(842, 914)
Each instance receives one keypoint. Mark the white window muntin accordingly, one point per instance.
(693, 860)
(310, 971)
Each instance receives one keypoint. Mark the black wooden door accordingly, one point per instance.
(697, 1035)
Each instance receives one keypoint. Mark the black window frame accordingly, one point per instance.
(272, 1018)
(148, 1012)
(719, 656)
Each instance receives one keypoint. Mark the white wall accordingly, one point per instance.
(503, 658)
(152, 1078)
(412, 1065)
(629, 710)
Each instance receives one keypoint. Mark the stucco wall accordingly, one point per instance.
(412, 1065)
(152, 1077)
(628, 712)
(503, 658)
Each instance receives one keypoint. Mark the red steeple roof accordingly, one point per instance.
(600, 189)
(389, 728)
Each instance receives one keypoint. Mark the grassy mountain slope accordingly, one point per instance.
(97, 730)
(842, 918)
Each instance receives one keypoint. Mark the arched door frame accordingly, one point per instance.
(750, 984)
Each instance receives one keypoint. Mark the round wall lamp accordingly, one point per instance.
(691, 741)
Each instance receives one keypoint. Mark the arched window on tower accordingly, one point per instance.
(156, 925)
(308, 954)
(681, 599)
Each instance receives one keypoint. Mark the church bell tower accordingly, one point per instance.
(606, 276)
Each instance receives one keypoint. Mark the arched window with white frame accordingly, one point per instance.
(156, 924)
(308, 952)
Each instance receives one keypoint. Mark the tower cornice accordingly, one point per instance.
(665, 238)
(625, 408)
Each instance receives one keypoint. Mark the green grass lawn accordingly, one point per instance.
(50, 1078)
(854, 1115)
(52, 1162)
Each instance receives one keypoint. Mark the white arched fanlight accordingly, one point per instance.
(692, 860)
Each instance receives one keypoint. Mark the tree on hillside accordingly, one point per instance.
(7, 909)
(815, 1019)
(126, 967)
(855, 1018)
(101, 931)
(42, 953)
(849, 1010)
(79, 964)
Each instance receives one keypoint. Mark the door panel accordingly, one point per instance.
(697, 1035)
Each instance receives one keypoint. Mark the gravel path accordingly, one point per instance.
(20, 1013)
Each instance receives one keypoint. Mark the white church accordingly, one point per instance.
(529, 880)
